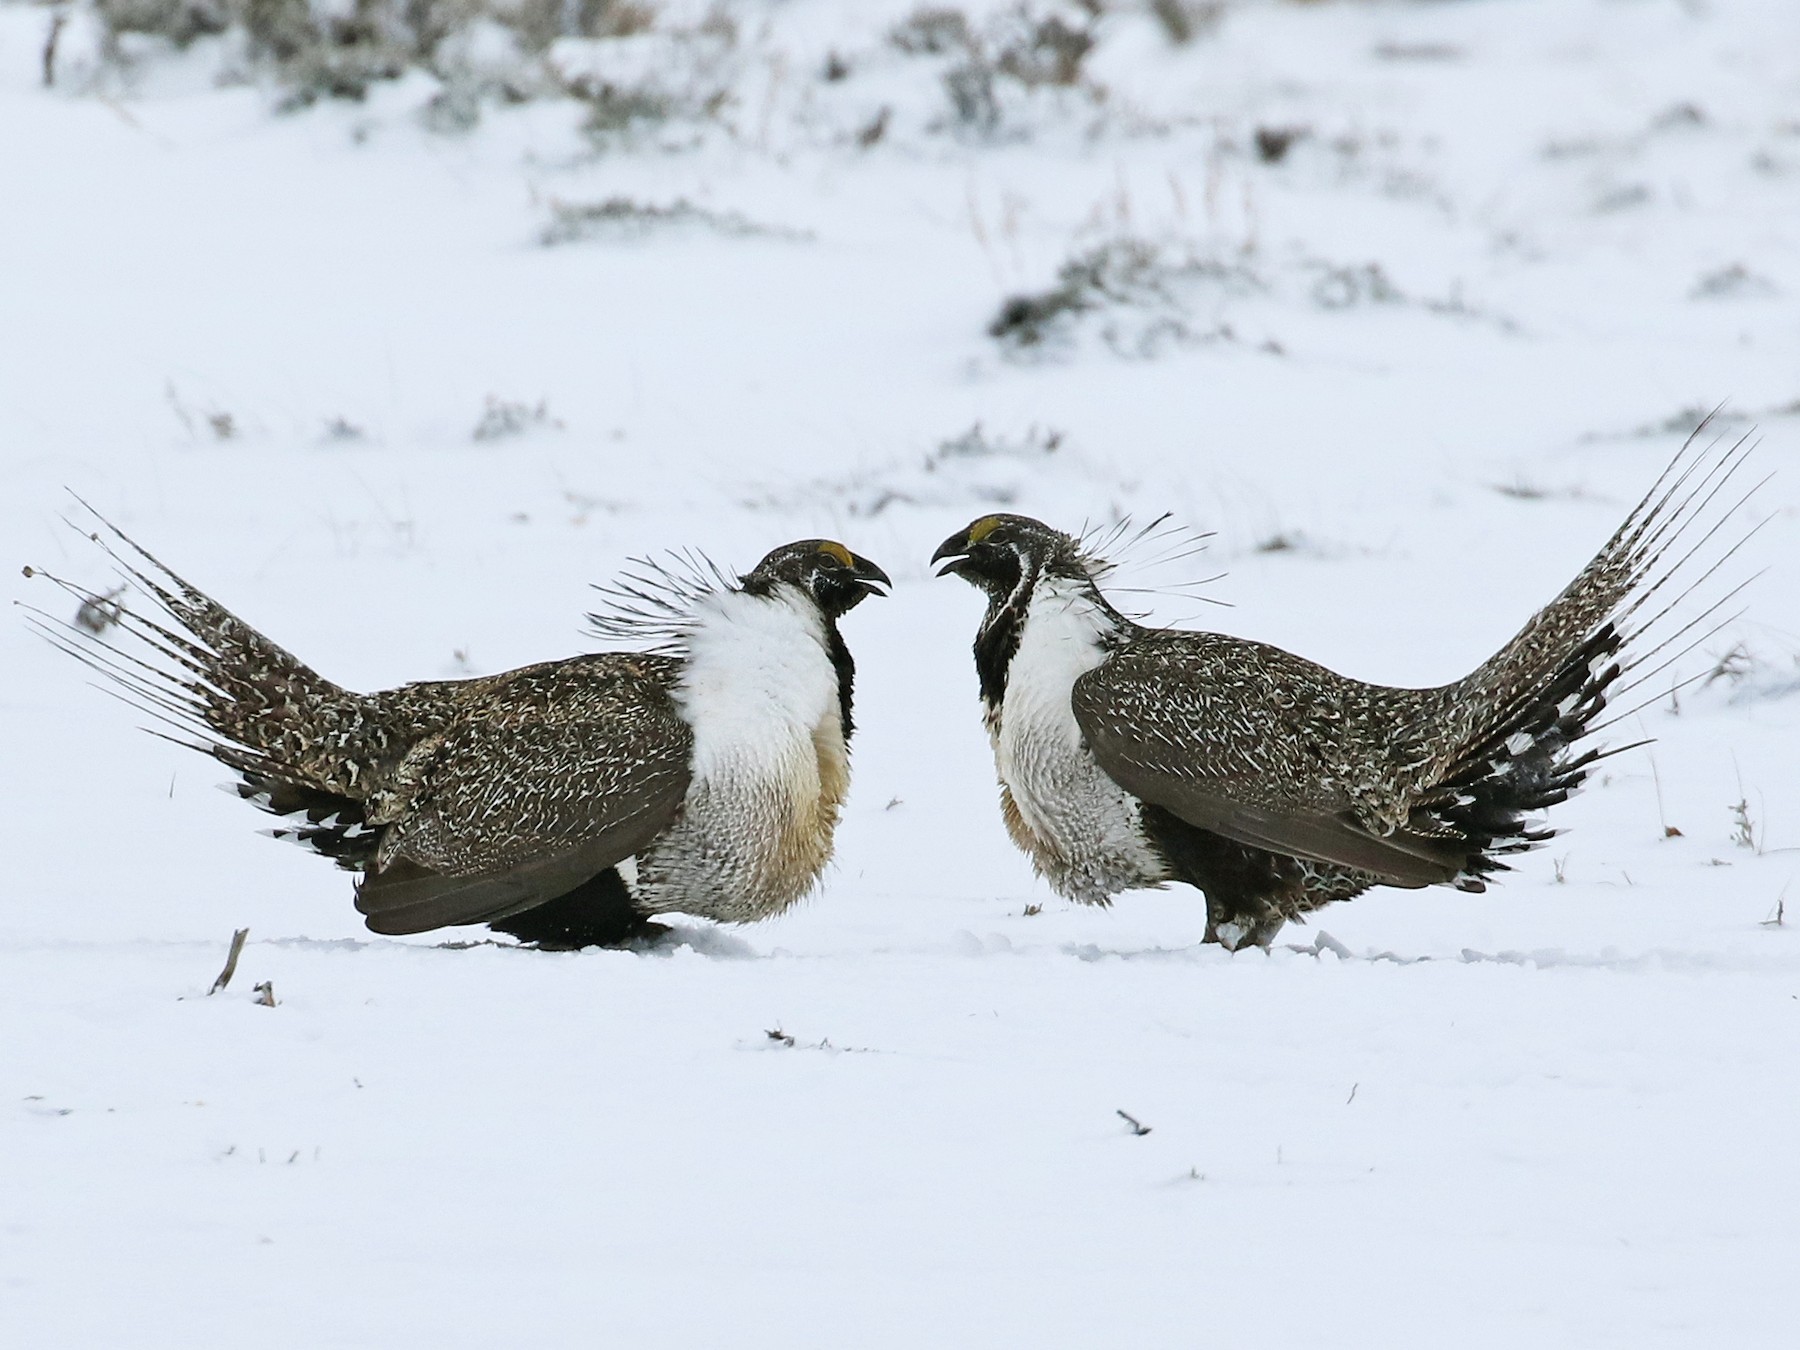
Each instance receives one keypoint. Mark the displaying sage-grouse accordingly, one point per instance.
(1131, 756)
(562, 803)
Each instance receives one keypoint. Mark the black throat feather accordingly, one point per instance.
(846, 674)
(997, 643)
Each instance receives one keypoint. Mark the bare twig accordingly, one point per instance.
(265, 993)
(1668, 830)
(1743, 832)
(231, 960)
(57, 22)
(777, 1034)
(1743, 829)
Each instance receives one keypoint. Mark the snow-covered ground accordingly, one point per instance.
(1411, 363)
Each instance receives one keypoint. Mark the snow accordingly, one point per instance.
(1411, 374)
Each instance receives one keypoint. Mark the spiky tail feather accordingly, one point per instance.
(1522, 713)
(301, 745)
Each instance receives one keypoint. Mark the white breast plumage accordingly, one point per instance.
(770, 766)
(1081, 829)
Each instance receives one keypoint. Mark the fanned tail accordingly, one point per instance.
(1624, 620)
(302, 747)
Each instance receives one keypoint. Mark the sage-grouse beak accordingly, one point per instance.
(873, 579)
(956, 549)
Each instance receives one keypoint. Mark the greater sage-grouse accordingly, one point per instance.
(1131, 756)
(563, 803)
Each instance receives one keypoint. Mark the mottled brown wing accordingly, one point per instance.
(564, 770)
(1248, 742)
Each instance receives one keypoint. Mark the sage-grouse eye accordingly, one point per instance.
(562, 803)
(1131, 756)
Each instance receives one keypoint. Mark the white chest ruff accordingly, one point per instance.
(1082, 830)
(770, 766)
